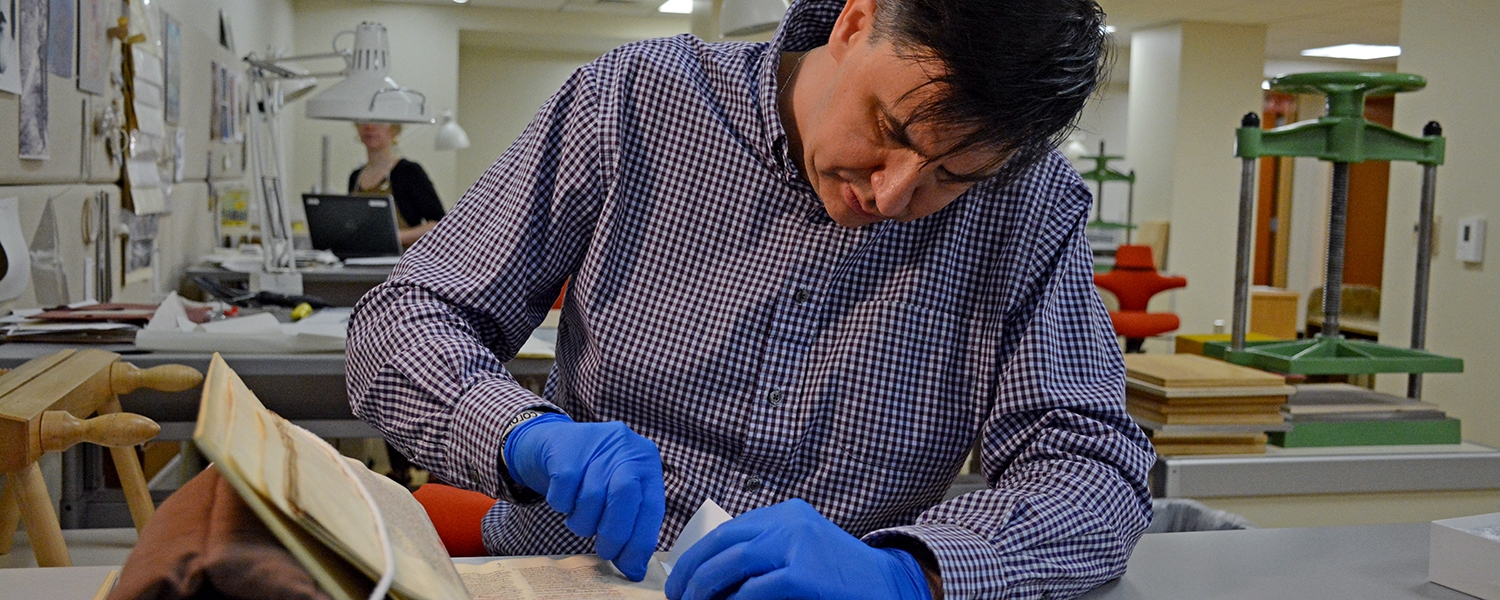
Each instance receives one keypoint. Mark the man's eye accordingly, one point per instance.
(946, 177)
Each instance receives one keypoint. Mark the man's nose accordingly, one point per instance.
(896, 183)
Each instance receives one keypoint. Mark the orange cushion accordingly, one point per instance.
(456, 514)
(1134, 257)
(1135, 324)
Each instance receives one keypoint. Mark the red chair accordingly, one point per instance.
(1134, 281)
(456, 515)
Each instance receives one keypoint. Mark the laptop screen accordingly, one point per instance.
(352, 226)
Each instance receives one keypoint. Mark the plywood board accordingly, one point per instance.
(1190, 370)
(1209, 419)
(1219, 400)
(1197, 449)
(1203, 409)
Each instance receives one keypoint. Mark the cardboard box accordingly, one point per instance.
(1465, 555)
(1273, 312)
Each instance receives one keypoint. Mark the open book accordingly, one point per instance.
(349, 526)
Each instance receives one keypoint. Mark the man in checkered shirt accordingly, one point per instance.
(806, 277)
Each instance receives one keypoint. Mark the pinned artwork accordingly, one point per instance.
(95, 17)
(139, 247)
(17, 260)
(61, 17)
(32, 36)
(10, 66)
(49, 280)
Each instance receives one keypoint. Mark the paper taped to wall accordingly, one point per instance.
(15, 260)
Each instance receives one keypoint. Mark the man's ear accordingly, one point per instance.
(854, 26)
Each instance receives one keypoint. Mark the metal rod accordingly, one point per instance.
(327, 154)
(1421, 286)
(1099, 198)
(1243, 245)
(1130, 207)
(1333, 278)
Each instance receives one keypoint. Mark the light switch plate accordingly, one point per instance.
(1471, 240)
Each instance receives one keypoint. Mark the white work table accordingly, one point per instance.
(1339, 470)
(1365, 562)
(308, 389)
(1369, 562)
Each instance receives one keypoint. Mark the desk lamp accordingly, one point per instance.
(366, 94)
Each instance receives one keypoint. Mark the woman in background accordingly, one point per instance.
(386, 173)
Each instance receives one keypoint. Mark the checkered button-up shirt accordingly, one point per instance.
(769, 353)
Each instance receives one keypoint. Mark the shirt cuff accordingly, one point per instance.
(968, 564)
(479, 421)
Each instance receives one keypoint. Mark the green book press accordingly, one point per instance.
(1342, 137)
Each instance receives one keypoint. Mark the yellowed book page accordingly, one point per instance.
(420, 555)
(216, 420)
(544, 578)
(306, 481)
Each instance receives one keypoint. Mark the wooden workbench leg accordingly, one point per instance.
(132, 478)
(10, 517)
(41, 521)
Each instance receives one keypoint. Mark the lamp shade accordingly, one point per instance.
(367, 93)
(749, 17)
(450, 136)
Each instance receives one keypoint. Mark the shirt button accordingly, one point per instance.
(774, 397)
(752, 484)
(801, 295)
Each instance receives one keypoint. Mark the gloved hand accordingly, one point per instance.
(604, 476)
(790, 551)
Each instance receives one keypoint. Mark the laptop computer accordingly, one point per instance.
(352, 226)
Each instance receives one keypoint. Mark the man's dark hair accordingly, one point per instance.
(1015, 73)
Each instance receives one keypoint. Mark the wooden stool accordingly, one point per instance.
(44, 407)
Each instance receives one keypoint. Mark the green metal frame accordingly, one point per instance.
(1100, 174)
(1333, 356)
(1341, 136)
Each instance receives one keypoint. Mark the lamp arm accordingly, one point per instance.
(272, 65)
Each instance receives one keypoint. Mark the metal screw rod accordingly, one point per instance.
(1333, 278)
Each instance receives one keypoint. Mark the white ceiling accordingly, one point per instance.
(1292, 25)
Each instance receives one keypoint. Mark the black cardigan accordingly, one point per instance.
(415, 196)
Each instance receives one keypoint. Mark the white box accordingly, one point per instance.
(1462, 557)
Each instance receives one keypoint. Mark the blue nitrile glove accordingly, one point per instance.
(788, 550)
(604, 476)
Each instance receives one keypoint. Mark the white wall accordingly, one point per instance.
(1189, 85)
(503, 89)
(1104, 118)
(1452, 44)
(425, 55)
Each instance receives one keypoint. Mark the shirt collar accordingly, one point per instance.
(806, 25)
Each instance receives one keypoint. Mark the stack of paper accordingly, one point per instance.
(1190, 404)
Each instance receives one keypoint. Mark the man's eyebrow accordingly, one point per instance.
(897, 129)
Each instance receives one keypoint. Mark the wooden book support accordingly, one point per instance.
(44, 407)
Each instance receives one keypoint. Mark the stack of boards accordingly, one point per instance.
(1190, 404)
(1338, 414)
